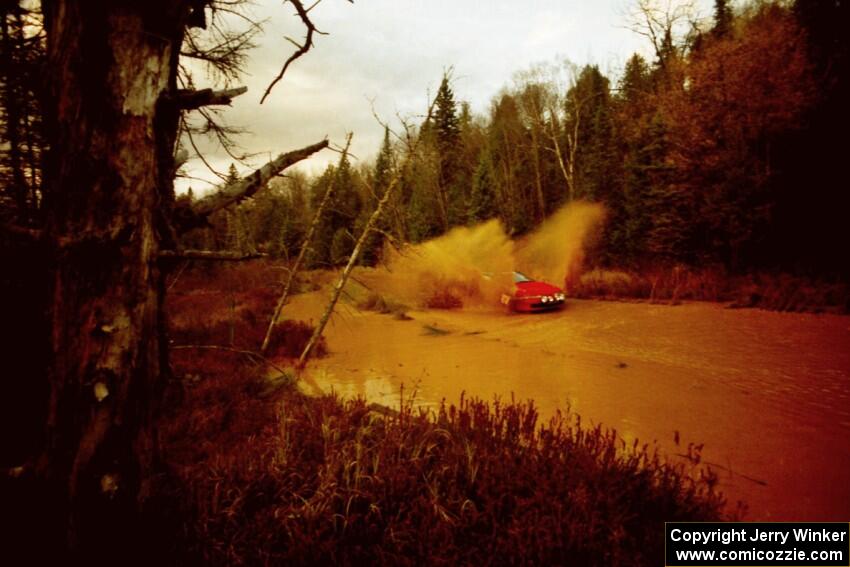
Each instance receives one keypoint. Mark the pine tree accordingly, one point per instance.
(421, 186)
(640, 151)
(446, 132)
(384, 165)
(635, 83)
(482, 202)
(381, 177)
(722, 18)
(506, 138)
(232, 175)
(320, 250)
(588, 106)
(645, 176)
(333, 240)
(236, 236)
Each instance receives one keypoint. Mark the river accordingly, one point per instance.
(767, 393)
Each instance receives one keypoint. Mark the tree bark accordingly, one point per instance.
(110, 63)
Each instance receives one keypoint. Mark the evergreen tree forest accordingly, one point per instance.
(724, 149)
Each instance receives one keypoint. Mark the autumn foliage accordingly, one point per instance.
(736, 96)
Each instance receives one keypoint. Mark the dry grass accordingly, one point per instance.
(231, 307)
(780, 292)
(297, 480)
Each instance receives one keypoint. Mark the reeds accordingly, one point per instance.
(301, 480)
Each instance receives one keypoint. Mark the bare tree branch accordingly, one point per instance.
(301, 48)
(358, 247)
(305, 245)
(188, 99)
(201, 156)
(221, 49)
(210, 255)
(223, 134)
(250, 184)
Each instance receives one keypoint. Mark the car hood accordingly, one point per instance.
(524, 289)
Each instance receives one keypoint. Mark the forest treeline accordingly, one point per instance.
(723, 149)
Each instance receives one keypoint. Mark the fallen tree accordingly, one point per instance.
(413, 144)
(305, 246)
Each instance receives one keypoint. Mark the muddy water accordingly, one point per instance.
(767, 393)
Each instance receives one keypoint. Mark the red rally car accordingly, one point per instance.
(530, 295)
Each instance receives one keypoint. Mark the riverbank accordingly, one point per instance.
(766, 392)
(672, 285)
(259, 471)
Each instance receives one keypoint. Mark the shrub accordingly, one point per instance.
(327, 482)
(778, 292)
(226, 314)
(600, 282)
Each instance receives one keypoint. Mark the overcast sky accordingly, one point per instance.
(391, 54)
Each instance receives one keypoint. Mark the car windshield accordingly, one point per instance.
(519, 277)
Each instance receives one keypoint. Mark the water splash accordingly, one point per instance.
(472, 266)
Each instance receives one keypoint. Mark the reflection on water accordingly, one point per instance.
(369, 385)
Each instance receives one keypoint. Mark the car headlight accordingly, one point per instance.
(544, 299)
(560, 296)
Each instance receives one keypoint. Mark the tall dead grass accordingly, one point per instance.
(672, 284)
(231, 306)
(303, 481)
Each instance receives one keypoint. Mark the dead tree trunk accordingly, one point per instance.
(572, 149)
(308, 239)
(346, 272)
(110, 125)
(193, 215)
(109, 65)
(553, 133)
(538, 175)
(358, 247)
